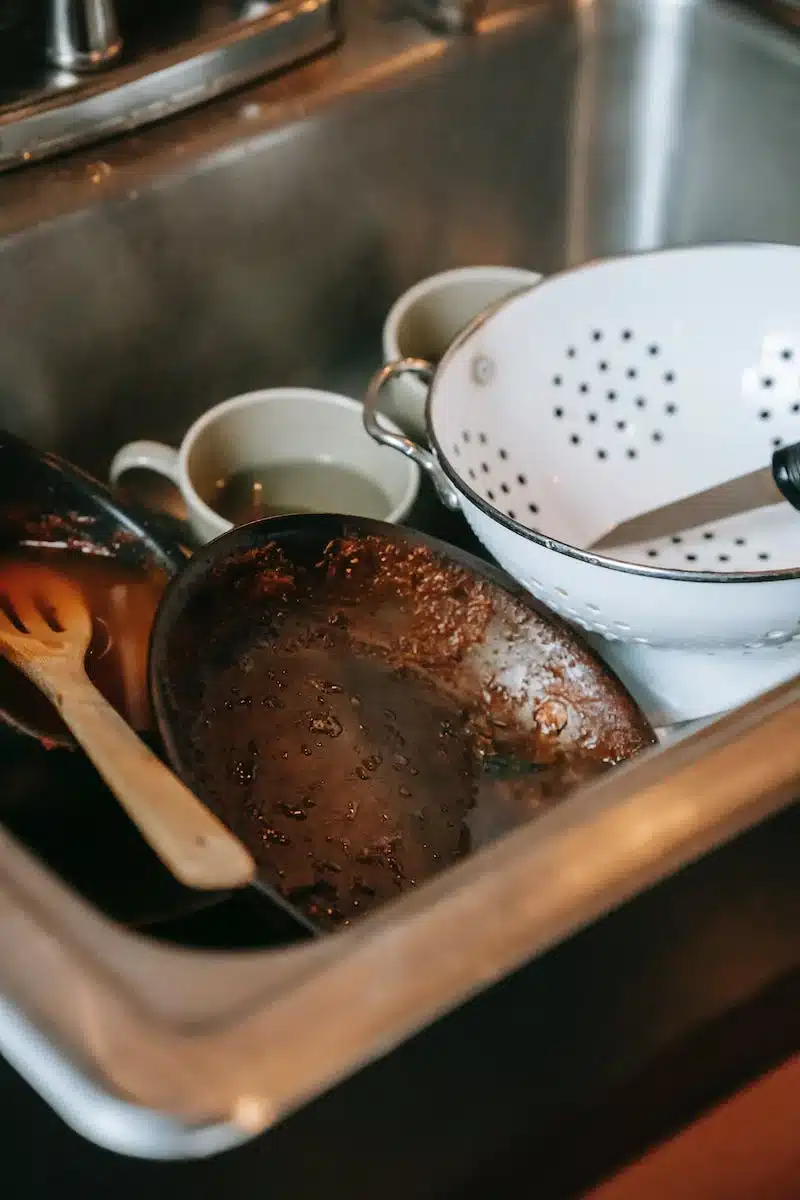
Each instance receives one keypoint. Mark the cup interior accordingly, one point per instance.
(430, 316)
(311, 448)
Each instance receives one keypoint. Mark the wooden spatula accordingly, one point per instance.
(45, 629)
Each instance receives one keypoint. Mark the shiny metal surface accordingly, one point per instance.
(53, 99)
(83, 35)
(376, 428)
(449, 16)
(261, 241)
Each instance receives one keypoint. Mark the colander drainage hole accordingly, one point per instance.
(631, 453)
(652, 553)
(652, 350)
(466, 436)
(533, 508)
(787, 355)
(676, 539)
(504, 488)
(611, 395)
(512, 514)
(657, 435)
(669, 377)
(765, 414)
(626, 335)
(557, 380)
(571, 351)
(576, 441)
(708, 535)
(640, 402)
(724, 558)
(763, 556)
(631, 373)
(795, 408)
(602, 453)
(740, 541)
(502, 454)
(670, 409)
(621, 425)
(521, 480)
(583, 389)
(777, 443)
(767, 381)
(591, 417)
(471, 472)
(691, 558)
(558, 412)
(482, 438)
(602, 365)
(490, 494)
(597, 335)
(485, 468)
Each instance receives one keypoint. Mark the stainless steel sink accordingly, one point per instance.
(260, 240)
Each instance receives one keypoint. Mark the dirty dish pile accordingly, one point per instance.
(354, 700)
(51, 798)
(605, 392)
(55, 518)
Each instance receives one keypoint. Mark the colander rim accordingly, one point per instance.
(683, 575)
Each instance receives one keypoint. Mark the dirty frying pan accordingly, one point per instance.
(363, 705)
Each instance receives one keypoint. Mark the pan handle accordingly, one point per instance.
(396, 441)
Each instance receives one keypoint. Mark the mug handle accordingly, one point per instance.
(398, 441)
(149, 456)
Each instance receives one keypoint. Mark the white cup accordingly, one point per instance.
(425, 320)
(297, 427)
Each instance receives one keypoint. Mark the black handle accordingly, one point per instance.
(786, 472)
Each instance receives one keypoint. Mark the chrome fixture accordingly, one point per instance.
(84, 35)
(92, 76)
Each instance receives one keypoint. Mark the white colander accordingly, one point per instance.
(607, 391)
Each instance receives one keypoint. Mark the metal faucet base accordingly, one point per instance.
(55, 110)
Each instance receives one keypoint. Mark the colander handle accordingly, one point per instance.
(397, 441)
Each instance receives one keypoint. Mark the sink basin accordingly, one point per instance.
(261, 240)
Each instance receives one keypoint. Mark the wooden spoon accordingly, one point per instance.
(45, 629)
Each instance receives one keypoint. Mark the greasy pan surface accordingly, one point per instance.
(339, 691)
(50, 508)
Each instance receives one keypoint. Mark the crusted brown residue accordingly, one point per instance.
(443, 608)
(66, 531)
(261, 571)
(343, 711)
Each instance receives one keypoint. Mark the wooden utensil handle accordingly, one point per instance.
(189, 839)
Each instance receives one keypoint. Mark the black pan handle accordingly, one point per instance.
(786, 472)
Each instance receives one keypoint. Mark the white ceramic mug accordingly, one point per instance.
(425, 320)
(276, 427)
